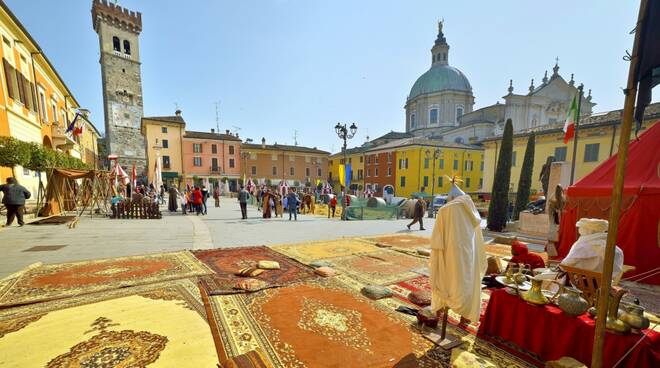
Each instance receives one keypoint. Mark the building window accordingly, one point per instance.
(166, 143)
(376, 159)
(232, 163)
(166, 162)
(376, 172)
(292, 171)
(26, 172)
(426, 163)
(459, 112)
(440, 182)
(413, 123)
(389, 157)
(361, 159)
(127, 47)
(197, 161)
(318, 172)
(163, 129)
(274, 170)
(591, 152)
(482, 166)
(389, 171)
(307, 172)
(254, 170)
(513, 158)
(42, 105)
(481, 182)
(442, 163)
(455, 164)
(64, 119)
(369, 160)
(214, 164)
(231, 150)
(403, 181)
(53, 108)
(115, 44)
(426, 181)
(214, 148)
(467, 183)
(360, 174)
(560, 153)
(368, 172)
(433, 116)
(197, 147)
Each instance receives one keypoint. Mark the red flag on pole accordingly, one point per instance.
(134, 177)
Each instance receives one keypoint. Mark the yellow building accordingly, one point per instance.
(598, 139)
(417, 157)
(35, 103)
(164, 140)
(355, 157)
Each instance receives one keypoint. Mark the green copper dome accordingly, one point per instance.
(440, 78)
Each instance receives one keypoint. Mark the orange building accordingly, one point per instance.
(211, 155)
(35, 103)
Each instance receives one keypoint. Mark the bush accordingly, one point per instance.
(498, 208)
(525, 180)
(34, 156)
(13, 152)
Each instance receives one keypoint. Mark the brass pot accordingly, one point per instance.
(570, 301)
(535, 294)
(613, 323)
(633, 315)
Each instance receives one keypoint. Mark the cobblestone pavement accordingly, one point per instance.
(95, 238)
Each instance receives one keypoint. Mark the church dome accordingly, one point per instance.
(441, 77)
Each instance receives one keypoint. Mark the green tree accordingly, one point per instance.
(14, 152)
(525, 180)
(499, 201)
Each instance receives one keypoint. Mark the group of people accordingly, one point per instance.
(269, 203)
(193, 199)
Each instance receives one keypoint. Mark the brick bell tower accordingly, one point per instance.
(118, 30)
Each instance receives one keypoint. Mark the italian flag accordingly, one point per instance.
(569, 125)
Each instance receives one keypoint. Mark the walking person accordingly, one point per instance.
(184, 201)
(418, 214)
(332, 206)
(216, 195)
(292, 204)
(161, 195)
(198, 201)
(14, 196)
(172, 205)
(205, 196)
(243, 197)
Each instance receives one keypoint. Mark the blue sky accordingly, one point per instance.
(284, 65)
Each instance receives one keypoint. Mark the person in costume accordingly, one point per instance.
(458, 257)
(172, 205)
(588, 252)
(521, 255)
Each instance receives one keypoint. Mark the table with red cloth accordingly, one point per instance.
(550, 334)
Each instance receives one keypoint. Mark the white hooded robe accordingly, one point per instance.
(458, 259)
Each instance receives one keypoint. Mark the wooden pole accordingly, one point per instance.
(624, 139)
(575, 135)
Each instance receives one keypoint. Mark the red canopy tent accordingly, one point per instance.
(639, 225)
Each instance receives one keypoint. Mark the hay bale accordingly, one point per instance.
(408, 207)
(375, 202)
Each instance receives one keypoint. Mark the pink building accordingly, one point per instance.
(211, 155)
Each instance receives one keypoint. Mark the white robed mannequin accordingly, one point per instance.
(458, 257)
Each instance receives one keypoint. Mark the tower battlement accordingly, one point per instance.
(103, 10)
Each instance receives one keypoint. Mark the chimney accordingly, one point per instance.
(212, 130)
(178, 112)
(263, 142)
(227, 131)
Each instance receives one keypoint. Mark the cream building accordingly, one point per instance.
(164, 141)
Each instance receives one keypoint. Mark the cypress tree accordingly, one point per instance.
(525, 180)
(499, 201)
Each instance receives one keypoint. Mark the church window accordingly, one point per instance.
(115, 44)
(127, 47)
(459, 112)
(433, 116)
(413, 123)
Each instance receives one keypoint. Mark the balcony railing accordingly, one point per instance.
(215, 169)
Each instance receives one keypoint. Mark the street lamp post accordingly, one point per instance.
(436, 154)
(345, 133)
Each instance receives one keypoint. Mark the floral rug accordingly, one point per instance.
(327, 323)
(157, 325)
(401, 241)
(381, 268)
(54, 281)
(307, 252)
(227, 261)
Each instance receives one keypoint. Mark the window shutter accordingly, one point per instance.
(8, 72)
(28, 95)
(21, 90)
(34, 97)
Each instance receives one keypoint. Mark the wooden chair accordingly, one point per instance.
(587, 281)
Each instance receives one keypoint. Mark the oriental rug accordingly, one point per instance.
(47, 282)
(53, 220)
(381, 268)
(327, 323)
(402, 289)
(401, 241)
(157, 325)
(307, 252)
(227, 261)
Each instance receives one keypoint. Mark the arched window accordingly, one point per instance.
(127, 47)
(413, 123)
(115, 44)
